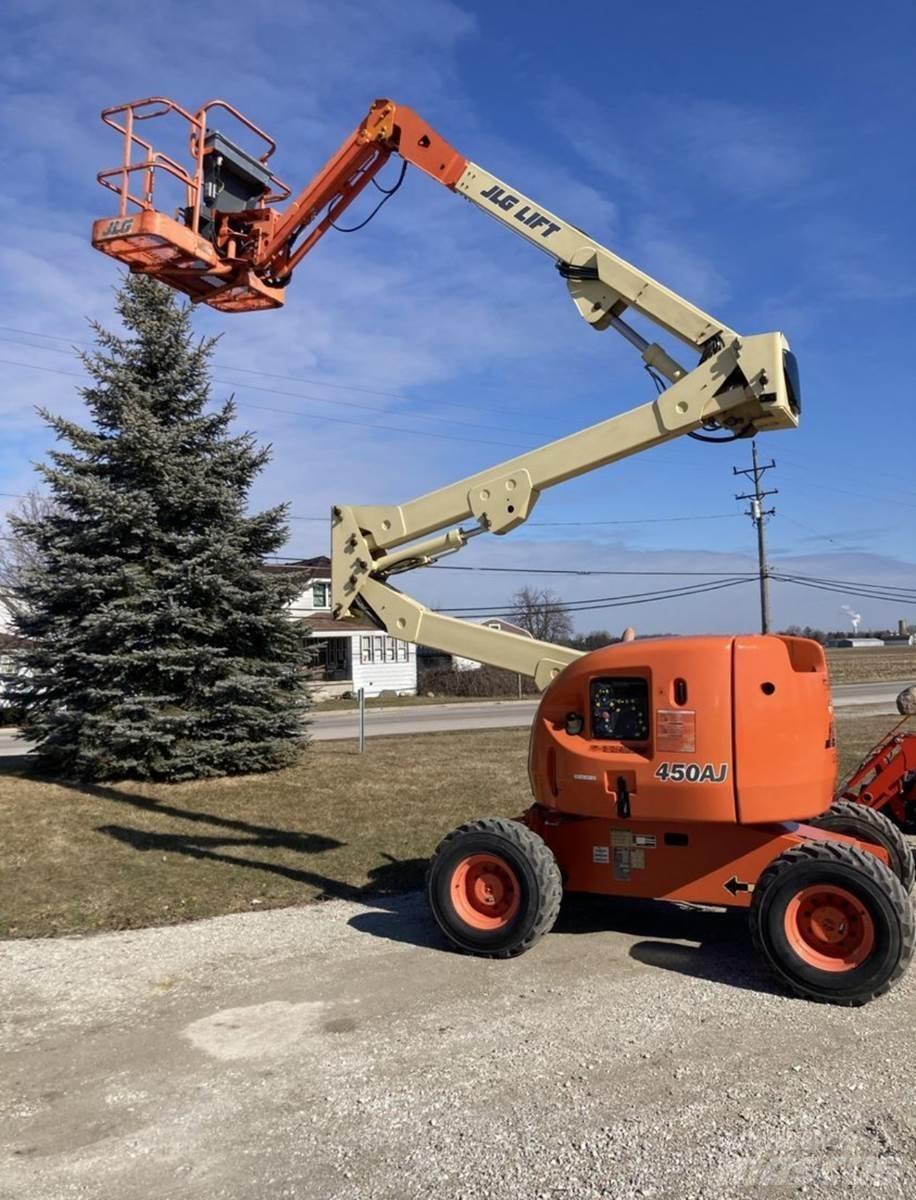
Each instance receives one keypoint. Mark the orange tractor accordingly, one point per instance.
(698, 770)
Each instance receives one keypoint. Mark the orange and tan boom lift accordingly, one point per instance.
(699, 770)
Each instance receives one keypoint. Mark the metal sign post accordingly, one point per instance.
(361, 700)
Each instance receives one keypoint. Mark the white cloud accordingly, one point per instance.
(744, 148)
(430, 304)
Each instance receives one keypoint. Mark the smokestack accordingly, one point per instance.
(854, 618)
(903, 627)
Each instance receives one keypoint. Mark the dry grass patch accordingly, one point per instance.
(83, 858)
(857, 735)
(874, 664)
(77, 858)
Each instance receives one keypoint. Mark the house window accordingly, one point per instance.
(374, 649)
(320, 597)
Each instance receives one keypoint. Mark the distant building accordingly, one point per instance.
(854, 643)
(348, 655)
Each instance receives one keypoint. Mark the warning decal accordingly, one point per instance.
(645, 839)
(601, 854)
(676, 729)
(621, 864)
(621, 837)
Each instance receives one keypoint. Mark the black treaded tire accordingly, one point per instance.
(826, 864)
(536, 874)
(869, 825)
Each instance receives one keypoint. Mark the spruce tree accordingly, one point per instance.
(158, 648)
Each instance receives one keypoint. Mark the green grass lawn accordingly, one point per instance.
(77, 858)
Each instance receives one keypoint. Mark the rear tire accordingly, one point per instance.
(869, 825)
(833, 922)
(494, 888)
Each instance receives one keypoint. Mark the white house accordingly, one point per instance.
(352, 655)
(9, 641)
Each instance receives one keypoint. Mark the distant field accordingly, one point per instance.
(885, 662)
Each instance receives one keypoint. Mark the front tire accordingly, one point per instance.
(494, 888)
(833, 922)
(869, 825)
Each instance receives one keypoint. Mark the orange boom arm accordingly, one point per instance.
(233, 247)
(229, 247)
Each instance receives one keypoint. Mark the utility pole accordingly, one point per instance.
(758, 515)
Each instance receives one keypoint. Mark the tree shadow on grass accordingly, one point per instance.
(390, 877)
(259, 835)
(385, 880)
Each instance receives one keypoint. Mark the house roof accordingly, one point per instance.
(305, 568)
(324, 623)
(504, 625)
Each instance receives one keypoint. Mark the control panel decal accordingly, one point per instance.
(676, 730)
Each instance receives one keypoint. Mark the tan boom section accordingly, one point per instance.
(741, 388)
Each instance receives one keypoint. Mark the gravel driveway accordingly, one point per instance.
(336, 1052)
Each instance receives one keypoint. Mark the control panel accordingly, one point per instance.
(620, 709)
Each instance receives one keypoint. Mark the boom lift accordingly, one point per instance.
(885, 780)
(677, 769)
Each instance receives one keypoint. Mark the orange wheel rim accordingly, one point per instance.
(829, 928)
(485, 891)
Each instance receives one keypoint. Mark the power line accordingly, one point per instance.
(583, 524)
(303, 396)
(864, 496)
(860, 591)
(589, 571)
(758, 515)
(529, 524)
(831, 464)
(602, 602)
(638, 521)
(226, 366)
(847, 582)
(298, 413)
(801, 525)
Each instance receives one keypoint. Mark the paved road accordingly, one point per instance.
(338, 1052)
(431, 718)
(864, 698)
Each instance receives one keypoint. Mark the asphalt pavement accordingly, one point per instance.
(865, 698)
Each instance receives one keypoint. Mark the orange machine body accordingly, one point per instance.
(638, 748)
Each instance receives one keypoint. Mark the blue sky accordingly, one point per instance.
(761, 166)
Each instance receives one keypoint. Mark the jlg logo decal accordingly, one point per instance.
(118, 227)
(692, 773)
(528, 216)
